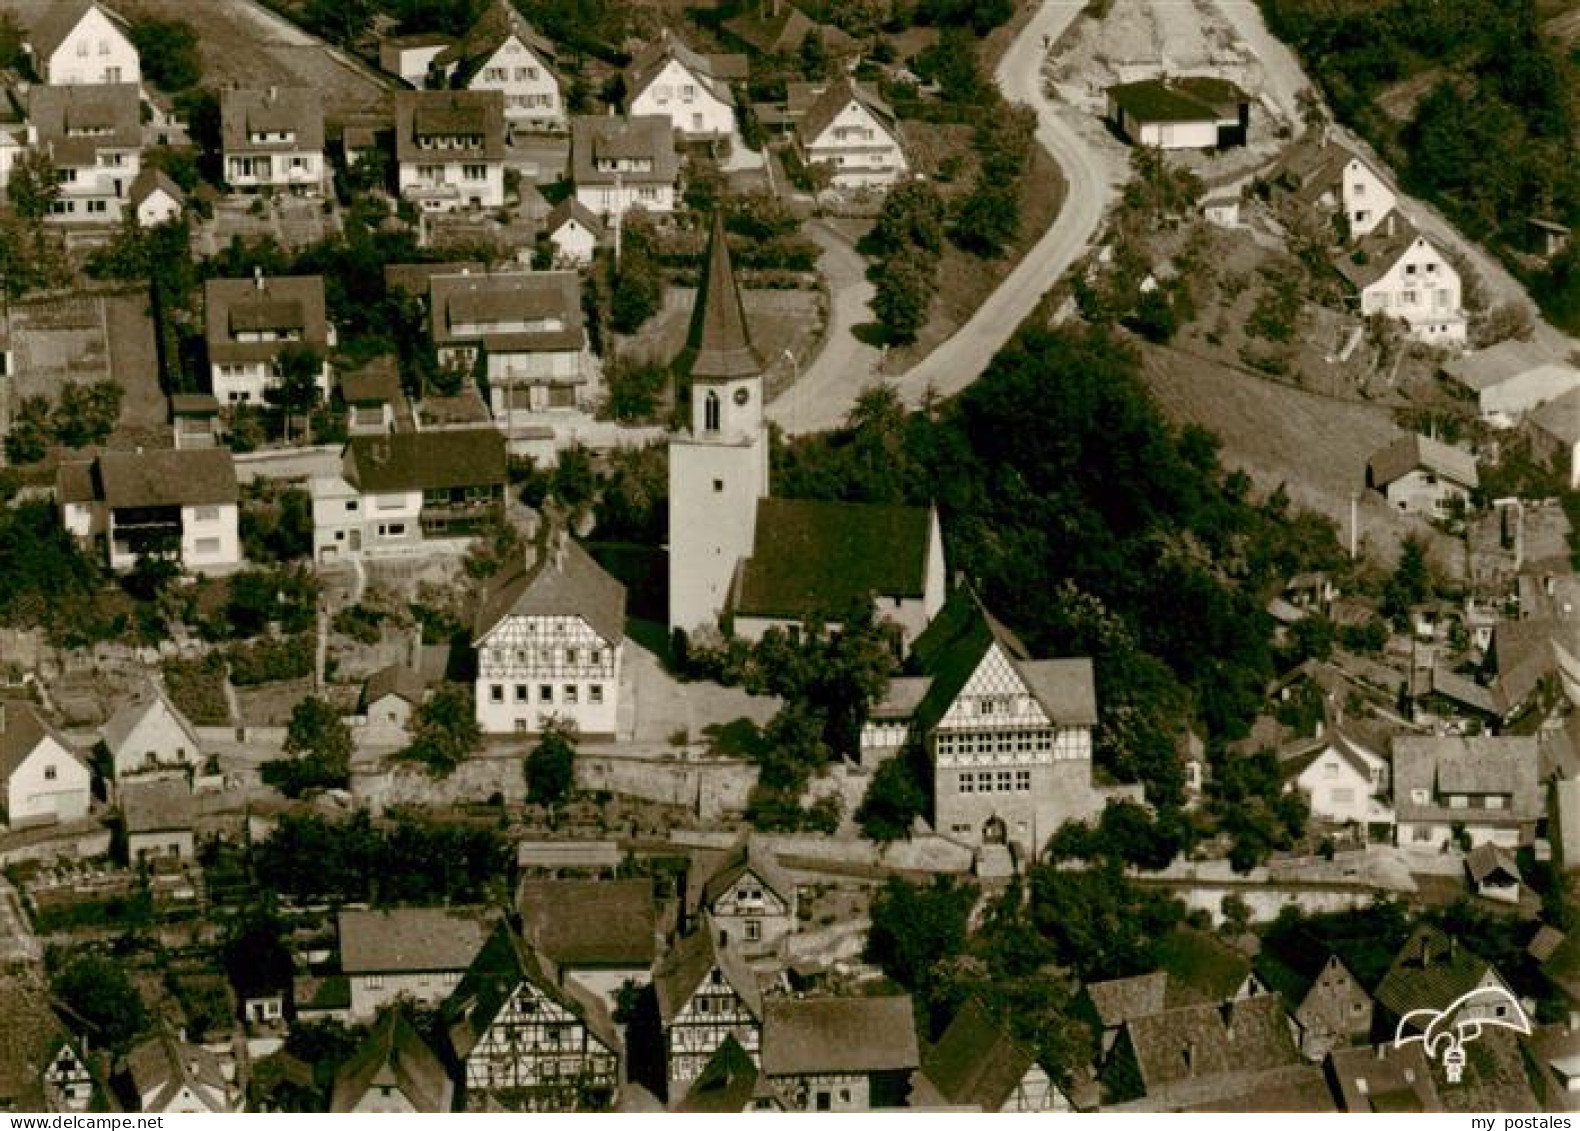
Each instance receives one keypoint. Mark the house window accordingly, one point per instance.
(595, 694)
(1342, 797)
(704, 1006)
(595, 657)
(496, 693)
(968, 783)
(1005, 780)
(570, 656)
(571, 696)
(521, 693)
(545, 693)
(710, 420)
(1022, 781)
(754, 930)
(50, 773)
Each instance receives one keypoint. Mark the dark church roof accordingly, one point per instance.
(722, 345)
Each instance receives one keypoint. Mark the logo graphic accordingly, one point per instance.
(1444, 1033)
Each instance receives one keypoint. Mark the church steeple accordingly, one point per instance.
(720, 343)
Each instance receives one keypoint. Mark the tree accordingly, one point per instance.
(34, 185)
(905, 284)
(813, 56)
(318, 746)
(915, 927)
(13, 40)
(893, 801)
(99, 991)
(446, 731)
(298, 368)
(1411, 582)
(86, 414)
(169, 52)
(254, 957)
(551, 767)
(912, 216)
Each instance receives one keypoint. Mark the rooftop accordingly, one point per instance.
(811, 1036)
(414, 461)
(294, 111)
(1411, 452)
(414, 939)
(556, 578)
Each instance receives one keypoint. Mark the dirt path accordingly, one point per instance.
(826, 390)
(829, 386)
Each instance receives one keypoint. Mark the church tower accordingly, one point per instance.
(718, 469)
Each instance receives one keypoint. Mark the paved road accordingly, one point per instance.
(840, 371)
(1285, 76)
(825, 391)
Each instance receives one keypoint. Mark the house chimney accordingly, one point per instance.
(1573, 1024)
(560, 538)
(1190, 1058)
(274, 93)
(1382, 1052)
(257, 278)
(1390, 223)
(1426, 951)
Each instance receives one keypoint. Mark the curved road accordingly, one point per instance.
(830, 385)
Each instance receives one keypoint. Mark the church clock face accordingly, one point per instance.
(742, 396)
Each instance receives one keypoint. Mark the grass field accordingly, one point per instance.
(1315, 446)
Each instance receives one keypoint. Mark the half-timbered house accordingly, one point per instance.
(706, 996)
(840, 1054)
(977, 1063)
(524, 1043)
(751, 899)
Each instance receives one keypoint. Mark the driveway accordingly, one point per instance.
(825, 392)
(829, 387)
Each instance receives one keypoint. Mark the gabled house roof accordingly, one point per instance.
(1203, 966)
(748, 855)
(1315, 170)
(500, 968)
(163, 1065)
(1297, 758)
(412, 939)
(475, 115)
(952, 646)
(584, 924)
(165, 477)
(1290, 964)
(499, 21)
(158, 805)
(398, 680)
(645, 138)
(682, 970)
(150, 180)
(976, 1063)
(1480, 765)
(30, 1038)
(75, 122)
(812, 1036)
(296, 111)
(1560, 418)
(555, 578)
(782, 30)
(728, 1083)
(1120, 999)
(22, 729)
(393, 1056)
(719, 341)
(417, 461)
(489, 309)
(131, 715)
(60, 19)
(1412, 452)
(414, 280)
(1240, 1039)
(1488, 861)
(715, 72)
(377, 382)
(1375, 253)
(292, 303)
(1490, 367)
(841, 93)
(572, 209)
(815, 558)
(1431, 971)
(1384, 1079)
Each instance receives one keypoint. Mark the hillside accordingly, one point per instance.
(1477, 103)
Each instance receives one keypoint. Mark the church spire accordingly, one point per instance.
(722, 348)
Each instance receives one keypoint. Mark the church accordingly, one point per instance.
(742, 560)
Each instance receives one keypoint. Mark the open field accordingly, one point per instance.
(243, 44)
(1315, 446)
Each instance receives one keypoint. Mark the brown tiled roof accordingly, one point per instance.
(1560, 418)
(273, 302)
(572, 209)
(1487, 368)
(412, 279)
(498, 300)
(828, 106)
(582, 924)
(1413, 451)
(29, 1039)
(812, 1036)
(396, 679)
(1179, 1046)
(130, 715)
(76, 482)
(748, 855)
(1177, 100)
(297, 110)
(21, 731)
(76, 122)
(411, 939)
(478, 114)
(1456, 764)
(561, 579)
(165, 477)
(715, 72)
(728, 1083)
(1488, 859)
(814, 558)
(719, 341)
(1375, 253)
(1384, 1079)
(160, 805)
(149, 179)
(499, 21)
(164, 1065)
(597, 137)
(393, 1056)
(414, 461)
(692, 959)
(1120, 999)
(976, 1062)
(60, 19)
(377, 382)
(1431, 971)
